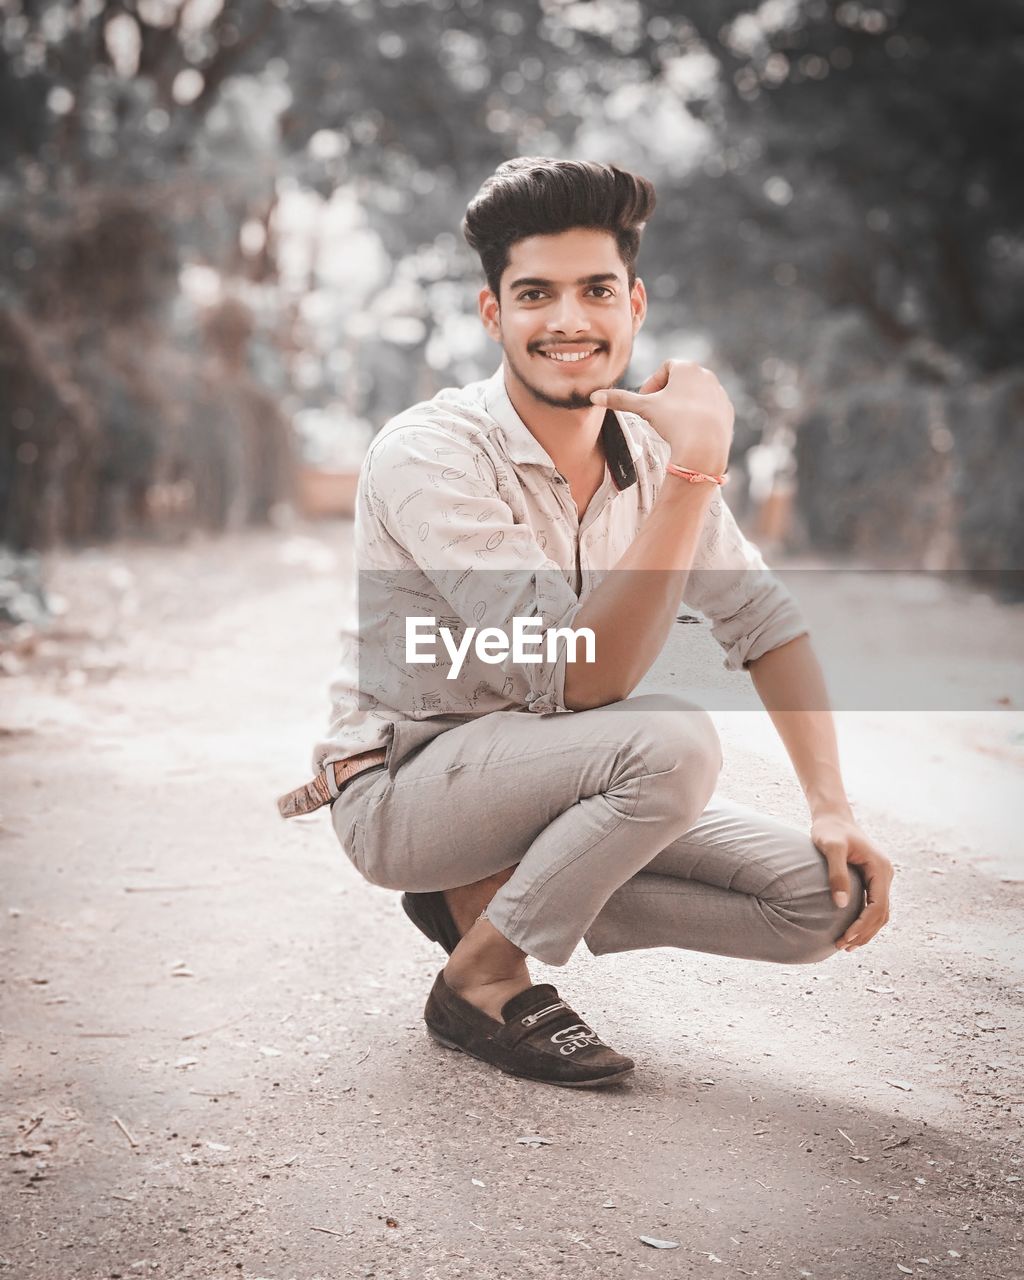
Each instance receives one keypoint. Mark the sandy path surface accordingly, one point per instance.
(213, 1058)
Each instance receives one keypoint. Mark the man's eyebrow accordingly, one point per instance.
(538, 282)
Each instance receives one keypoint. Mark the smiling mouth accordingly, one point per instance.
(570, 356)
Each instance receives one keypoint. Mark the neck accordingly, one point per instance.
(570, 437)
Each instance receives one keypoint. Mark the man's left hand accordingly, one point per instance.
(843, 844)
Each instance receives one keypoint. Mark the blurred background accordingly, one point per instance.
(230, 249)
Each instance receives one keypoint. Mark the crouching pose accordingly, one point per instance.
(517, 793)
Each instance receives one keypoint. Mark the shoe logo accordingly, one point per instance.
(579, 1036)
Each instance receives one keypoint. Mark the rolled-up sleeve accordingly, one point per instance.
(750, 610)
(440, 502)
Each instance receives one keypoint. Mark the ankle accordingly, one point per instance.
(467, 901)
(489, 993)
(472, 968)
(459, 975)
(484, 957)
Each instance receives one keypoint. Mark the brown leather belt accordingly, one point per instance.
(318, 791)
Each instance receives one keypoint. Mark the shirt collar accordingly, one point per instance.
(524, 448)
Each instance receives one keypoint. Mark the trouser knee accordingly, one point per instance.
(675, 743)
(809, 925)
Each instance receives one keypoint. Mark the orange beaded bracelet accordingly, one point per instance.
(694, 477)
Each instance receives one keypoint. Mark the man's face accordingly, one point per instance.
(566, 316)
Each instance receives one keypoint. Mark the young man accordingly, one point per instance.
(530, 802)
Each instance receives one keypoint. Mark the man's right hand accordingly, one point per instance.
(687, 406)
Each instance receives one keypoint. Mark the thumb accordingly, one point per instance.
(838, 874)
(628, 401)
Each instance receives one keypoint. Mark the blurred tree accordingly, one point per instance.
(101, 206)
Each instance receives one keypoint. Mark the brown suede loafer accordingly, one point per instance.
(541, 1038)
(429, 913)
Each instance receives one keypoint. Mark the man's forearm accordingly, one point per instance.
(631, 611)
(790, 683)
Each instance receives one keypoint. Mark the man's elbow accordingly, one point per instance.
(587, 689)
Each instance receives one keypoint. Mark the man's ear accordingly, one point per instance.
(638, 303)
(490, 313)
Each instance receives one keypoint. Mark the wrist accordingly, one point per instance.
(694, 460)
(690, 475)
(835, 805)
(678, 494)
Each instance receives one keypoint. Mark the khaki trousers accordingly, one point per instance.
(610, 821)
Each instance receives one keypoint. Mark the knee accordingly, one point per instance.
(673, 735)
(674, 746)
(809, 924)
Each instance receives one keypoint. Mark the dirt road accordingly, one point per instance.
(213, 1059)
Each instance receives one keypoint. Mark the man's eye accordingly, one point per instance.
(605, 292)
(531, 295)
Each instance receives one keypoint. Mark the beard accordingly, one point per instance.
(576, 399)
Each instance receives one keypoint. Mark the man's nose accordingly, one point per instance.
(569, 317)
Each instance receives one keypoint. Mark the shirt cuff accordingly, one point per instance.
(547, 679)
(784, 623)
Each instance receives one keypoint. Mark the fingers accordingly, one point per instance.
(864, 928)
(627, 401)
(873, 918)
(844, 846)
(657, 381)
(632, 401)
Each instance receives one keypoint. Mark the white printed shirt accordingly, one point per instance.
(462, 515)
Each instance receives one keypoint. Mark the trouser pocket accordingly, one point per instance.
(348, 812)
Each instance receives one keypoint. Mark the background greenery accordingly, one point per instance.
(229, 235)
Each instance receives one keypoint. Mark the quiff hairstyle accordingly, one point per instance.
(536, 196)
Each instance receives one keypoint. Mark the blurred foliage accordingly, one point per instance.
(839, 230)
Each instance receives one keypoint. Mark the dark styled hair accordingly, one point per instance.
(536, 196)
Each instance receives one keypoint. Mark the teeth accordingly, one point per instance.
(565, 356)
